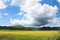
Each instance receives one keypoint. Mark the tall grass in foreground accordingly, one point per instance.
(29, 35)
(26, 37)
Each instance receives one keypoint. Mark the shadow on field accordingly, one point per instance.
(6, 37)
(58, 38)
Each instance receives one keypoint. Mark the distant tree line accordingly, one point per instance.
(50, 28)
(28, 28)
(15, 28)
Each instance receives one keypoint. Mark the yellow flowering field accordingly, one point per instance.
(31, 33)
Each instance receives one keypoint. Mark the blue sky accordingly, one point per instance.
(12, 12)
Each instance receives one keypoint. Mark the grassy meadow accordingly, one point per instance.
(29, 35)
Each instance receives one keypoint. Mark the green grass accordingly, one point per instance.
(26, 37)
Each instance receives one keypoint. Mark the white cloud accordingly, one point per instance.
(6, 14)
(3, 14)
(21, 22)
(36, 13)
(55, 22)
(20, 13)
(2, 5)
(23, 2)
(58, 1)
(4, 25)
(17, 2)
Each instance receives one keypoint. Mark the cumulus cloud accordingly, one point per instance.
(36, 13)
(23, 2)
(58, 1)
(17, 2)
(21, 22)
(2, 5)
(55, 22)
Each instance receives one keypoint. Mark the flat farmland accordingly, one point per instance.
(29, 35)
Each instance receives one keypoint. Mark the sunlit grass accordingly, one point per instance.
(28, 35)
(31, 33)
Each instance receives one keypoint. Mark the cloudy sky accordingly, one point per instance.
(30, 12)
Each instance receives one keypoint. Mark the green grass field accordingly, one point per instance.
(29, 35)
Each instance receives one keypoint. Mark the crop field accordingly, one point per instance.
(28, 35)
